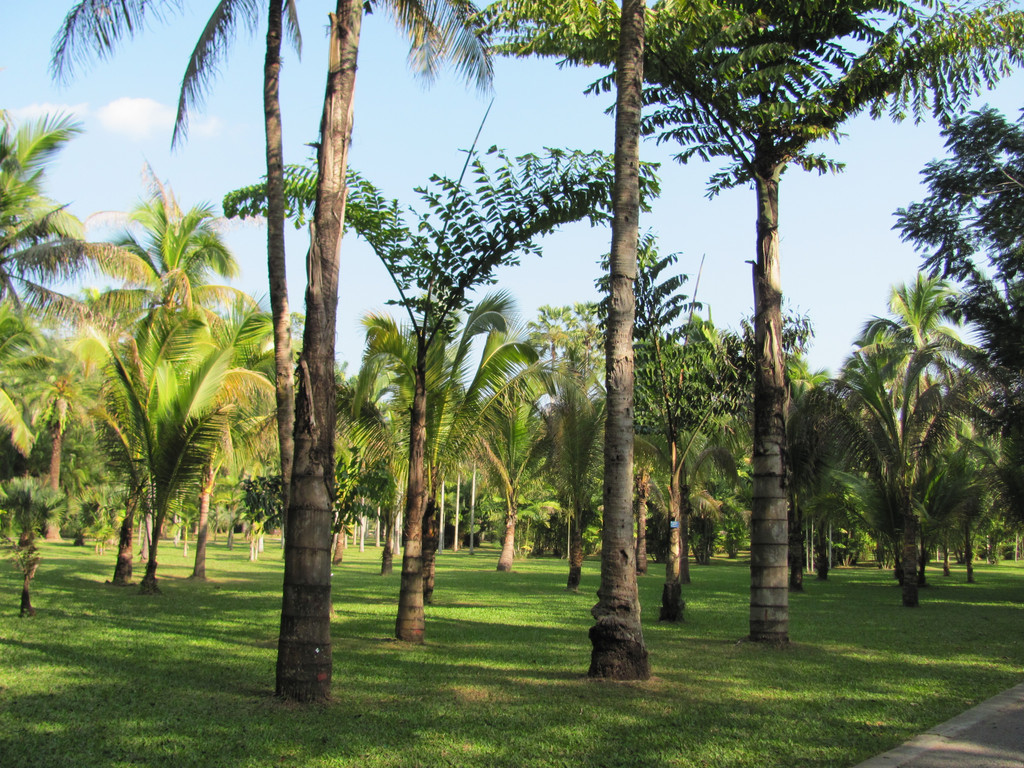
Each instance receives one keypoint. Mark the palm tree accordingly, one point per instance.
(41, 244)
(444, 396)
(895, 419)
(575, 426)
(244, 334)
(618, 649)
(510, 443)
(169, 400)
(17, 341)
(167, 257)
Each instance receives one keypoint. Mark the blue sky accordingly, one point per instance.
(839, 255)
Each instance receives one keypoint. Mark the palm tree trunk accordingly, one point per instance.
(276, 264)
(410, 623)
(509, 542)
(672, 605)
(969, 551)
(796, 547)
(304, 646)
(769, 567)
(123, 568)
(643, 490)
(56, 451)
(575, 553)
(199, 569)
(909, 559)
(148, 585)
(430, 539)
(617, 640)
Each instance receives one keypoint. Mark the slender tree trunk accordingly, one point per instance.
(123, 568)
(56, 451)
(672, 605)
(796, 547)
(430, 540)
(575, 553)
(276, 262)
(922, 559)
(458, 491)
(684, 531)
(509, 542)
(945, 559)
(338, 547)
(617, 640)
(969, 551)
(199, 569)
(26, 601)
(304, 663)
(769, 566)
(643, 492)
(386, 558)
(410, 622)
(148, 585)
(909, 559)
(821, 554)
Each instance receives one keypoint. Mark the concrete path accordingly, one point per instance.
(991, 735)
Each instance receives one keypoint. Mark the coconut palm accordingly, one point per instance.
(41, 243)
(18, 340)
(444, 392)
(170, 396)
(575, 426)
(511, 444)
(895, 418)
(167, 258)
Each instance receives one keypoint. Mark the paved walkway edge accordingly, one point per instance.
(947, 731)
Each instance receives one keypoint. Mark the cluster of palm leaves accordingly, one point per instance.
(902, 439)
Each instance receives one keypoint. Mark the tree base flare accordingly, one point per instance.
(672, 603)
(618, 652)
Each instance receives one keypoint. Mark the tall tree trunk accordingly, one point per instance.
(123, 568)
(410, 623)
(430, 540)
(821, 553)
(56, 451)
(969, 551)
(199, 569)
(769, 567)
(796, 547)
(304, 662)
(26, 600)
(672, 605)
(509, 542)
(643, 492)
(276, 263)
(148, 585)
(387, 557)
(909, 558)
(617, 640)
(575, 553)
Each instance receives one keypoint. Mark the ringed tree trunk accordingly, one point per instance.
(909, 558)
(410, 623)
(304, 664)
(56, 451)
(642, 492)
(769, 538)
(148, 585)
(509, 542)
(617, 640)
(796, 547)
(575, 552)
(199, 569)
(276, 264)
(123, 568)
(672, 605)
(821, 553)
(430, 538)
(26, 600)
(969, 550)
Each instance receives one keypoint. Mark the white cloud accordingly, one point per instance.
(207, 127)
(136, 118)
(45, 109)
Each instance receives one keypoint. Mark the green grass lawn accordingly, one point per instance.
(103, 676)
